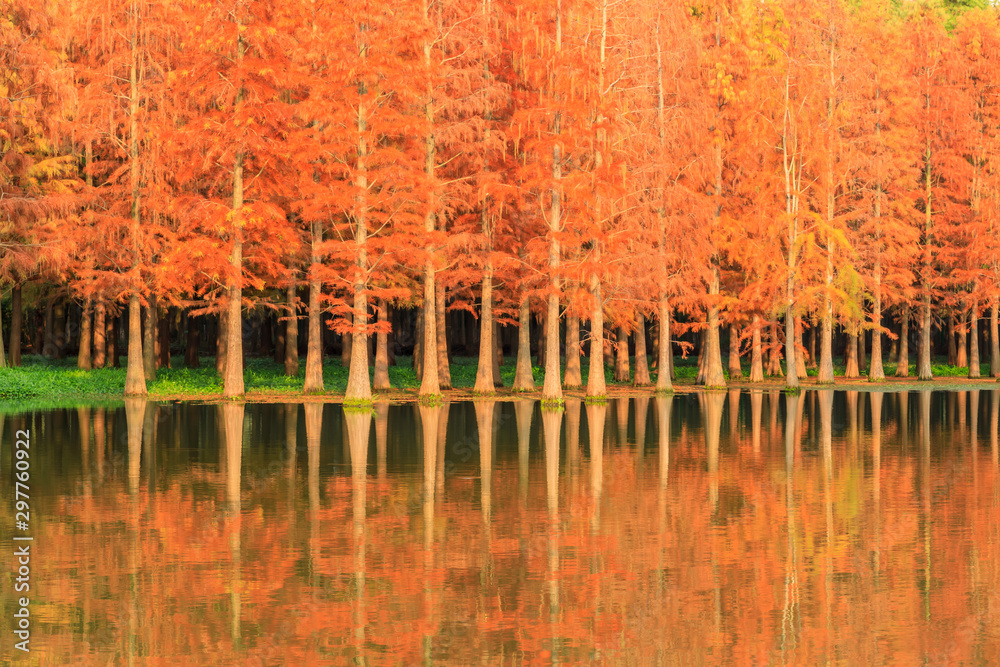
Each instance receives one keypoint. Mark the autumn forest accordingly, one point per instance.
(624, 182)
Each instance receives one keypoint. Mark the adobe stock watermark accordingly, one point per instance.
(22, 539)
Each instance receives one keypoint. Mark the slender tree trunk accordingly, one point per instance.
(540, 343)
(851, 369)
(573, 378)
(418, 345)
(381, 380)
(314, 350)
(15, 326)
(756, 356)
(714, 377)
(193, 343)
(924, 371)
(622, 373)
(430, 384)
(596, 382)
(962, 354)
(112, 341)
(876, 372)
(641, 360)
(497, 355)
(221, 337)
(903, 358)
(552, 386)
(346, 345)
(994, 341)
(523, 379)
(774, 359)
(664, 351)
(84, 359)
(735, 369)
(952, 343)
(825, 373)
(148, 340)
(487, 345)
(974, 370)
(100, 336)
(444, 368)
(135, 381)
(862, 361)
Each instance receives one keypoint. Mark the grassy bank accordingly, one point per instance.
(46, 381)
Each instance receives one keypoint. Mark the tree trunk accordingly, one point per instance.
(862, 361)
(596, 382)
(876, 372)
(135, 380)
(497, 355)
(314, 350)
(952, 346)
(851, 369)
(99, 336)
(523, 379)
(735, 369)
(903, 358)
(221, 339)
(641, 360)
(49, 345)
(279, 339)
(358, 382)
(664, 351)
(15, 326)
(444, 368)
(974, 371)
(163, 337)
(84, 359)
(346, 346)
(573, 377)
(291, 334)
(962, 354)
(193, 342)
(418, 345)
(380, 382)
(540, 343)
(430, 382)
(112, 342)
(994, 341)
(714, 377)
(774, 359)
(148, 338)
(622, 373)
(487, 345)
(756, 356)
(824, 375)
(924, 368)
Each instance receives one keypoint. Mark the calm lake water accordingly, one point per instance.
(730, 528)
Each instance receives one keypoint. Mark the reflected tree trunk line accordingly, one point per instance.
(430, 416)
(552, 426)
(314, 432)
(713, 404)
(790, 619)
(734, 415)
(233, 414)
(875, 399)
(826, 444)
(486, 425)
(596, 415)
(664, 406)
(621, 420)
(925, 499)
(641, 415)
(523, 412)
(359, 424)
(381, 436)
(994, 423)
(441, 448)
(572, 441)
(756, 404)
(291, 417)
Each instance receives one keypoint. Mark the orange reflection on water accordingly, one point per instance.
(826, 526)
